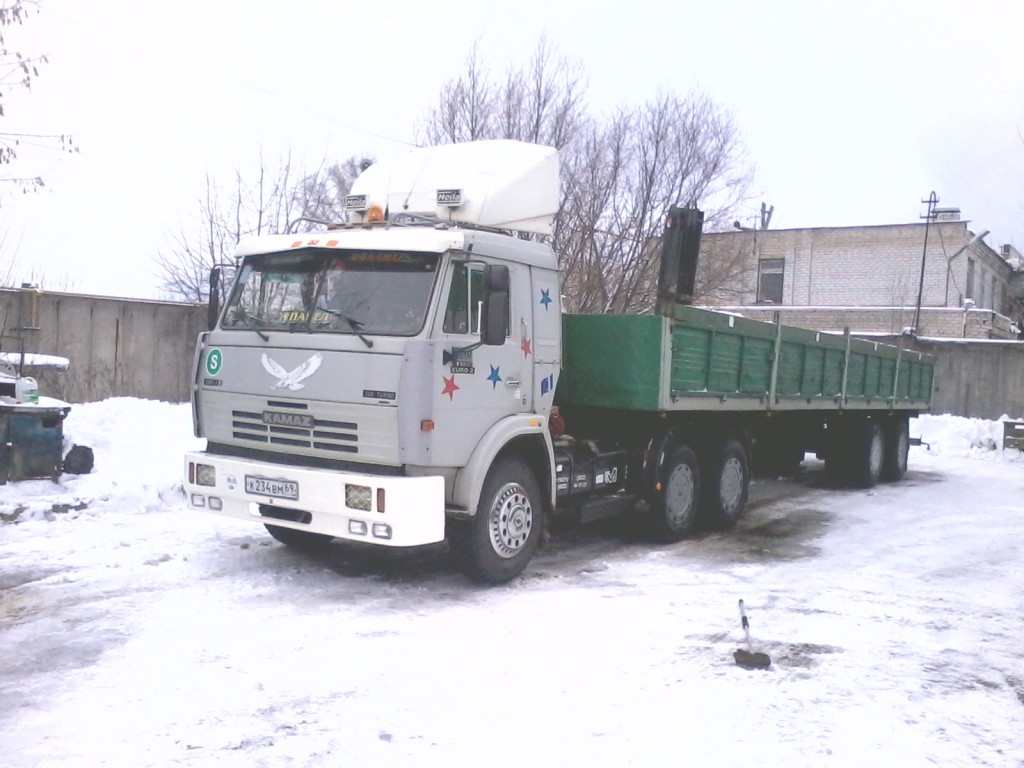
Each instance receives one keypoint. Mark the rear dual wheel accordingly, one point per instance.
(868, 454)
(712, 491)
(897, 448)
(858, 452)
(726, 485)
(674, 511)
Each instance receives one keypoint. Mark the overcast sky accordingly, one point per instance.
(852, 112)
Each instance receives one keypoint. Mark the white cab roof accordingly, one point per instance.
(425, 239)
(501, 184)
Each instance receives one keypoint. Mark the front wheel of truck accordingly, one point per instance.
(496, 544)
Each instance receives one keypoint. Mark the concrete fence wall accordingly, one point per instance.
(117, 347)
(979, 379)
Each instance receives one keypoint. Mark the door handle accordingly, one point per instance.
(512, 383)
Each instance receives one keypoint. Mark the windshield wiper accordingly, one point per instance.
(250, 322)
(354, 324)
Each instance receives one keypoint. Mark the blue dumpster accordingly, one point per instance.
(33, 439)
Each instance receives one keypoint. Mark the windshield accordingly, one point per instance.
(321, 291)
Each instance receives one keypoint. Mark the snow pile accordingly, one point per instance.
(957, 436)
(138, 447)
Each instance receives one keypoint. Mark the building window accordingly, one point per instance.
(969, 291)
(992, 295)
(770, 273)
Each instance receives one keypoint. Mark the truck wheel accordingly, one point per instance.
(726, 482)
(675, 509)
(306, 541)
(497, 543)
(897, 446)
(867, 455)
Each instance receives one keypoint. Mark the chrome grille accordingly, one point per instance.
(324, 434)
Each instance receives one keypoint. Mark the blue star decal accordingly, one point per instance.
(495, 377)
(545, 297)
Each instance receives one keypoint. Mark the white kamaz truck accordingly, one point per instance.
(391, 379)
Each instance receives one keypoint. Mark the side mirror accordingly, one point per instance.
(213, 310)
(495, 311)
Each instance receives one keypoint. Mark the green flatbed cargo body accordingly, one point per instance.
(702, 360)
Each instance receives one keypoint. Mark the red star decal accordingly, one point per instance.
(526, 348)
(449, 387)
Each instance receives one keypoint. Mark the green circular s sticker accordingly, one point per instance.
(214, 362)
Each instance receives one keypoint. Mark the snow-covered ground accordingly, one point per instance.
(135, 633)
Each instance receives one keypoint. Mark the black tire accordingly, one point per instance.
(725, 485)
(79, 460)
(867, 454)
(674, 511)
(897, 447)
(306, 541)
(496, 544)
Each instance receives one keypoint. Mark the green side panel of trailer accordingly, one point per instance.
(729, 362)
(612, 361)
(755, 366)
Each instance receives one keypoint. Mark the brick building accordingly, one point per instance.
(816, 277)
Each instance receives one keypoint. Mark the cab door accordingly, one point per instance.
(478, 386)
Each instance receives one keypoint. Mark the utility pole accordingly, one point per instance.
(932, 201)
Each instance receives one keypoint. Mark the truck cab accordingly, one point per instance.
(362, 381)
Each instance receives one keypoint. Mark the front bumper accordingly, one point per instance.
(390, 511)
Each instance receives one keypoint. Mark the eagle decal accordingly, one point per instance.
(291, 379)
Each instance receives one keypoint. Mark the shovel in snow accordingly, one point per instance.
(744, 656)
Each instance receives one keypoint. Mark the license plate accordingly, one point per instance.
(278, 489)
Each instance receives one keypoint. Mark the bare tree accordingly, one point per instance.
(184, 266)
(19, 70)
(541, 102)
(267, 202)
(725, 270)
(624, 176)
(620, 174)
(465, 109)
(321, 195)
